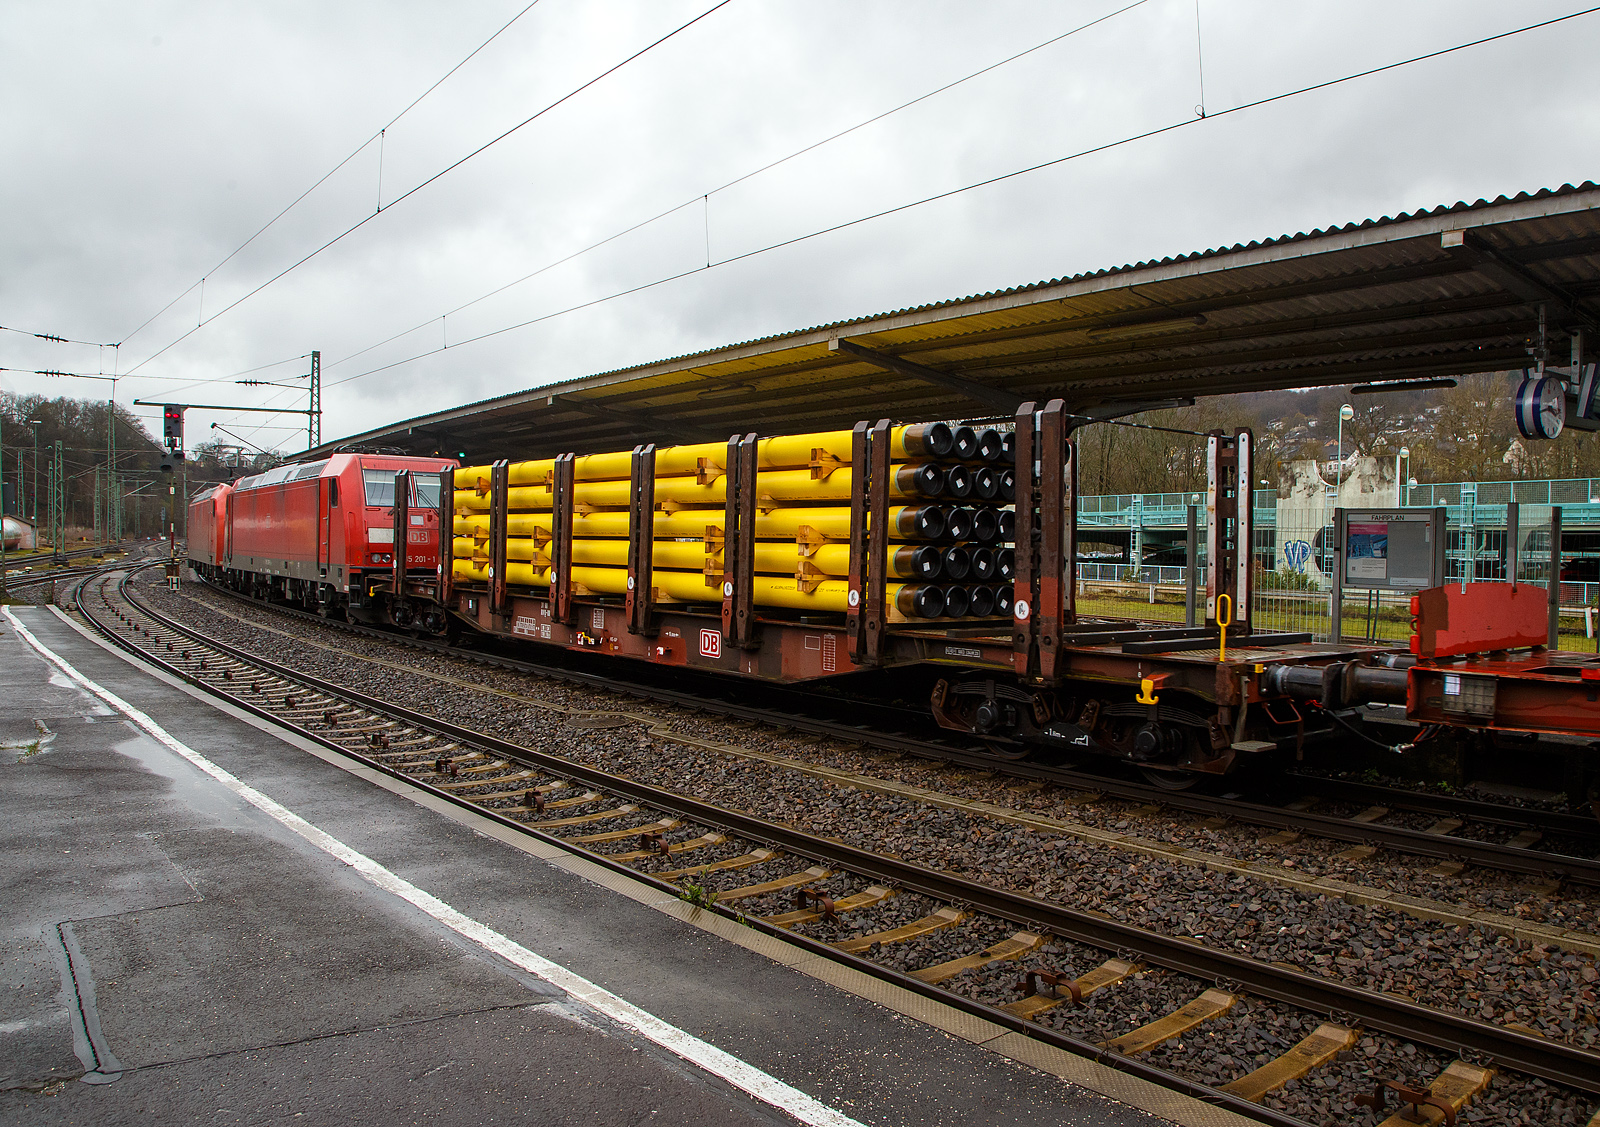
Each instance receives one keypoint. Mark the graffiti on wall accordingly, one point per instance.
(1296, 553)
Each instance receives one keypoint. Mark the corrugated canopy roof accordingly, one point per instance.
(1449, 291)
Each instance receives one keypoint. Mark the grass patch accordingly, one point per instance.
(698, 895)
(28, 750)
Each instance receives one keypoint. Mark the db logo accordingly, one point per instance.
(711, 643)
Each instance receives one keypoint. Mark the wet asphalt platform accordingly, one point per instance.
(170, 953)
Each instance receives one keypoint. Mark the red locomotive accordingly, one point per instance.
(322, 534)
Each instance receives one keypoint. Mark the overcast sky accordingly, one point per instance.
(144, 142)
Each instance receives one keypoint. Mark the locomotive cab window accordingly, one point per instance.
(333, 493)
(380, 486)
(425, 490)
(380, 489)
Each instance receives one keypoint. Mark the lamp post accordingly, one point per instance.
(1405, 452)
(1345, 412)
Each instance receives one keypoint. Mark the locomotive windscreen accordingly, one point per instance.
(425, 490)
(380, 488)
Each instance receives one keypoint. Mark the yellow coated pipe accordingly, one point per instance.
(682, 525)
(687, 586)
(518, 574)
(605, 553)
(536, 525)
(531, 473)
(776, 559)
(691, 586)
(476, 478)
(834, 559)
(799, 485)
(666, 553)
(828, 595)
(832, 522)
(771, 485)
(778, 452)
(468, 547)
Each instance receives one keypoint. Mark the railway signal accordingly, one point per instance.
(172, 424)
(172, 433)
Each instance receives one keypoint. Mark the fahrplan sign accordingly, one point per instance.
(1391, 549)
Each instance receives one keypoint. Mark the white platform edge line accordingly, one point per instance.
(763, 1086)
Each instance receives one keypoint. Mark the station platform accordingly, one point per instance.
(205, 920)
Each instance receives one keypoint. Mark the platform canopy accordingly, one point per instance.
(1455, 290)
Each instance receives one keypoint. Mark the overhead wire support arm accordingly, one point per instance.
(221, 407)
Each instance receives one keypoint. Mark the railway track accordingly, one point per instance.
(1060, 972)
(66, 574)
(15, 562)
(1456, 833)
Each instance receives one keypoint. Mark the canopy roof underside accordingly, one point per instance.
(1445, 292)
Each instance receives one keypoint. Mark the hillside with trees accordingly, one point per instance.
(1464, 433)
(87, 430)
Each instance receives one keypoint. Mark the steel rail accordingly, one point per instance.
(1551, 1060)
(1064, 1041)
(1487, 854)
(61, 576)
(1475, 809)
(13, 564)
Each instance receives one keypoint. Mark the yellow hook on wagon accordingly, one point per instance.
(1224, 619)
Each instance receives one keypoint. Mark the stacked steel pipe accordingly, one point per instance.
(949, 522)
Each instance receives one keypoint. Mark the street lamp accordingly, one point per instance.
(1345, 412)
(1405, 452)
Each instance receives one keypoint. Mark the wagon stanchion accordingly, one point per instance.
(855, 613)
(447, 534)
(1024, 597)
(402, 533)
(564, 478)
(641, 539)
(1228, 526)
(876, 600)
(744, 571)
(1555, 577)
(499, 503)
(1058, 509)
(729, 545)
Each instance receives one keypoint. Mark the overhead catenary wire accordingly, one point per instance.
(103, 376)
(1172, 127)
(705, 197)
(189, 382)
(433, 178)
(56, 338)
(325, 177)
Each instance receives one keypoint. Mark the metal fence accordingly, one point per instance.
(1294, 555)
(1161, 510)
(1292, 590)
(1562, 491)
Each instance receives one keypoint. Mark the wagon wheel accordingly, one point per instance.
(1169, 780)
(1007, 751)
